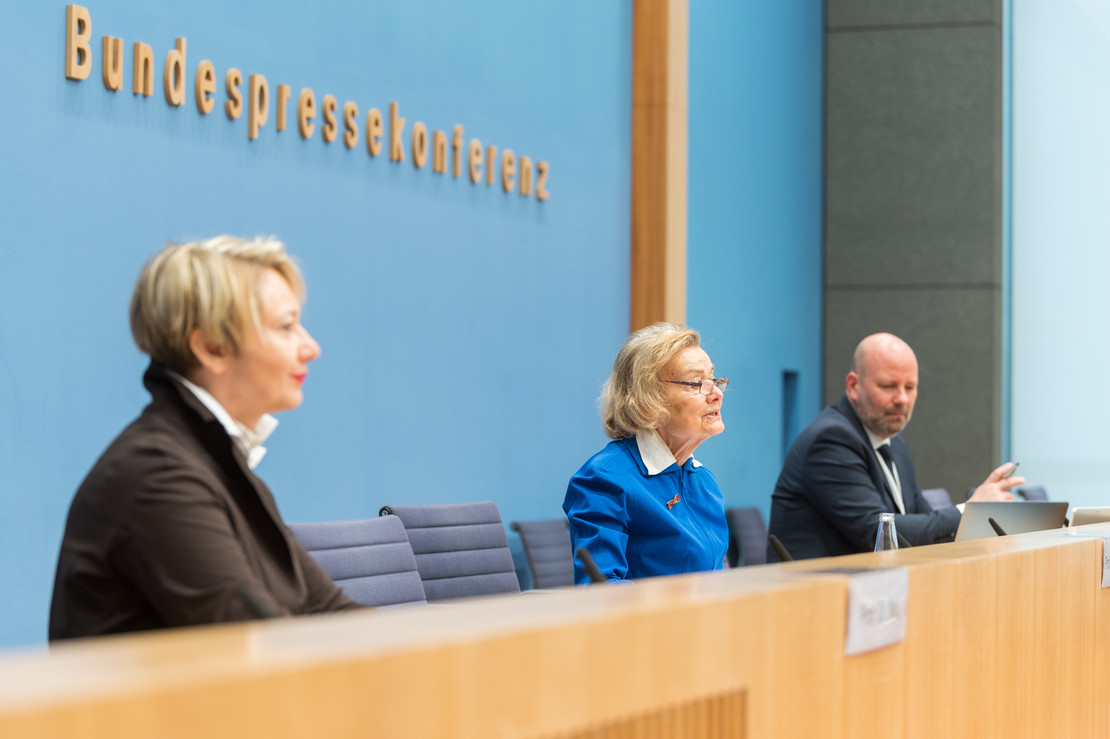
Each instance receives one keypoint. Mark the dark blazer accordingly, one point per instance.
(831, 491)
(171, 528)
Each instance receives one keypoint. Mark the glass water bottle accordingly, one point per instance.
(886, 538)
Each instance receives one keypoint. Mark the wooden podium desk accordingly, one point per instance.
(1005, 638)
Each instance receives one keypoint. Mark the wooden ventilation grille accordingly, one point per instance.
(715, 716)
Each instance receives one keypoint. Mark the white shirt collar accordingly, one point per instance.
(249, 440)
(656, 454)
(876, 440)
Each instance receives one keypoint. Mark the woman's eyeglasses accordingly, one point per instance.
(705, 387)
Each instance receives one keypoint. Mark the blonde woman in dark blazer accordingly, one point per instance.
(171, 527)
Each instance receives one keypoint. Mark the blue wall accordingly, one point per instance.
(465, 332)
(754, 271)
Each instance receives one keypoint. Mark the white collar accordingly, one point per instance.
(656, 454)
(876, 440)
(249, 440)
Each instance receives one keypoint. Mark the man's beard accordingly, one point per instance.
(878, 423)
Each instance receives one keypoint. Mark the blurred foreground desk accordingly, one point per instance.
(1005, 638)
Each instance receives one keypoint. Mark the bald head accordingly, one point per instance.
(882, 385)
(881, 349)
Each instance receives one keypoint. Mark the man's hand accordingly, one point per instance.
(996, 487)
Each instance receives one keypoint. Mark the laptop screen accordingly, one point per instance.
(1018, 517)
(1093, 514)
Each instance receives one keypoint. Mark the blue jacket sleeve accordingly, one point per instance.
(596, 508)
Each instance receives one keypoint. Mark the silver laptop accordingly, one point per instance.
(1018, 517)
(1091, 514)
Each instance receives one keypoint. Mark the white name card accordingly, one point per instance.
(1106, 562)
(876, 609)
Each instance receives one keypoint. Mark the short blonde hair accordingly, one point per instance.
(208, 285)
(633, 399)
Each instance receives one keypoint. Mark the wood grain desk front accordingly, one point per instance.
(1005, 638)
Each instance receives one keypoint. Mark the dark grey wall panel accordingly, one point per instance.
(890, 12)
(913, 164)
(913, 214)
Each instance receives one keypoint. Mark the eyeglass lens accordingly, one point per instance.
(708, 384)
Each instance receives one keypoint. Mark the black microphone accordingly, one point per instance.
(780, 550)
(994, 525)
(590, 566)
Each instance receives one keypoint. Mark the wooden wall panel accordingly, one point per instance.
(660, 30)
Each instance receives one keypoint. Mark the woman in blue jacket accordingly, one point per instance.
(643, 506)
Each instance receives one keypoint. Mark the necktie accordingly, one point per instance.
(884, 452)
(894, 483)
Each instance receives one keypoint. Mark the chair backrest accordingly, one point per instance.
(937, 498)
(461, 548)
(747, 533)
(1032, 492)
(370, 559)
(547, 548)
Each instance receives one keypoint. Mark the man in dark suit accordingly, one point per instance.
(851, 464)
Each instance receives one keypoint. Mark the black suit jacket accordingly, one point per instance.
(170, 527)
(831, 491)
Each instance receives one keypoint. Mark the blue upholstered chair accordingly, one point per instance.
(370, 559)
(937, 498)
(461, 548)
(547, 548)
(1032, 492)
(747, 533)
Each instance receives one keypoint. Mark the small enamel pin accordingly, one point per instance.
(672, 502)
